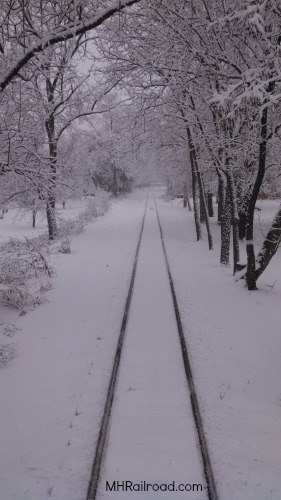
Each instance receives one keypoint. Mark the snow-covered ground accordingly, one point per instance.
(18, 224)
(52, 392)
(235, 344)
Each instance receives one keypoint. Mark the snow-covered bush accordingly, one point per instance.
(65, 246)
(96, 207)
(7, 352)
(24, 273)
(25, 270)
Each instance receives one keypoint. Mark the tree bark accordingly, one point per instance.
(206, 215)
(202, 211)
(185, 197)
(51, 218)
(251, 263)
(270, 245)
(234, 220)
(194, 191)
(221, 196)
(198, 176)
(210, 204)
(195, 194)
(50, 196)
(242, 224)
(52, 174)
(226, 228)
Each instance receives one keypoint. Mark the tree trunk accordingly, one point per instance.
(270, 245)
(197, 173)
(194, 190)
(226, 228)
(202, 211)
(221, 196)
(243, 210)
(185, 195)
(195, 194)
(234, 220)
(33, 218)
(236, 247)
(251, 264)
(51, 217)
(52, 180)
(206, 215)
(242, 224)
(210, 205)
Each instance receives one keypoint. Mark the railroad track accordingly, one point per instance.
(104, 428)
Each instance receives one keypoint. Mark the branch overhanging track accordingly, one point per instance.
(101, 443)
(207, 466)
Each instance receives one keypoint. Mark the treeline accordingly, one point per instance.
(188, 86)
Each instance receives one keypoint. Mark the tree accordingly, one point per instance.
(19, 28)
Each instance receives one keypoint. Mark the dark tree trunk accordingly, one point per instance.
(195, 194)
(185, 195)
(33, 218)
(194, 189)
(242, 224)
(50, 197)
(206, 215)
(226, 228)
(202, 211)
(270, 245)
(234, 221)
(236, 247)
(210, 205)
(221, 196)
(251, 264)
(200, 184)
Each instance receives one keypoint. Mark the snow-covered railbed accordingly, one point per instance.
(152, 439)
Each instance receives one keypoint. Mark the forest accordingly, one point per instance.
(116, 94)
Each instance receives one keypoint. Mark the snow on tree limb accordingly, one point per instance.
(63, 33)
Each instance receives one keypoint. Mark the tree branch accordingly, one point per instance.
(63, 33)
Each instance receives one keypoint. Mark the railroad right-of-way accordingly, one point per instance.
(152, 446)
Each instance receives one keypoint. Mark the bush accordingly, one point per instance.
(24, 267)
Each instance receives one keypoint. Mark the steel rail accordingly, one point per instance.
(207, 466)
(100, 447)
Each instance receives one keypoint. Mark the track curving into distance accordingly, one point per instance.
(207, 466)
(100, 447)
